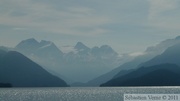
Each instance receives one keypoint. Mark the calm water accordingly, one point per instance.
(79, 94)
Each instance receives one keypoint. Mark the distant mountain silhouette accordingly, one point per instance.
(158, 75)
(159, 48)
(171, 55)
(45, 53)
(28, 46)
(141, 60)
(20, 71)
(93, 62)
(104, 52)
(81, 46)
(43, 48)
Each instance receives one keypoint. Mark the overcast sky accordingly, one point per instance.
(125, 25)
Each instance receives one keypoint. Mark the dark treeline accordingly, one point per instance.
(5, 85)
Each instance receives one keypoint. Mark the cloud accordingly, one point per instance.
(20, 29)
(158, 7)
(45, 17)
(135, 54)
(115, 19)
(163, 14)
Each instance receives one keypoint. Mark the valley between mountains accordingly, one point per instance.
(35, 63)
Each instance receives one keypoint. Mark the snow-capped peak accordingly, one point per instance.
(47, 45)
(44, 43)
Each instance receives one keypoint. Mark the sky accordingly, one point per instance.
(128, 26)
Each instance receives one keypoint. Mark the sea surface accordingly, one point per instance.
(79, 94)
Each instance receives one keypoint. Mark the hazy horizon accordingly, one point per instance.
(127, 26)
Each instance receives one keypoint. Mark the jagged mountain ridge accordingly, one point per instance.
(138, 61)
(32, 46)
(92, 61)
(170, 56)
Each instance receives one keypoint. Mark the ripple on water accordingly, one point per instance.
(79, 94)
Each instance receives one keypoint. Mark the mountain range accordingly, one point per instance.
(150, 53)
(79, 65)
(84, 66)
(162, 69)
(19, 71)
(157, 75)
